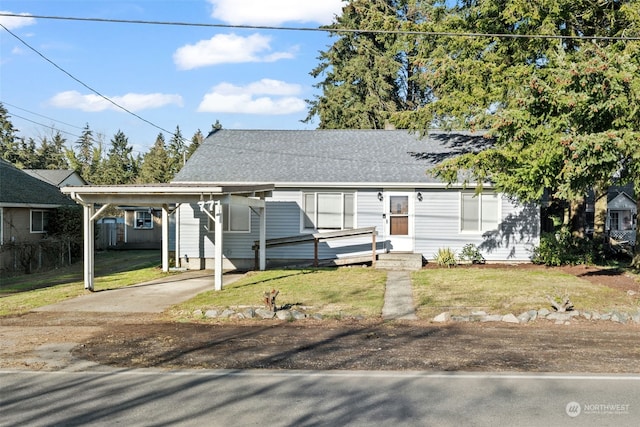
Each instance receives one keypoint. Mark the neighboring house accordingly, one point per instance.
(622, 218)
(58, 177)
(327, 180)
(25, 206)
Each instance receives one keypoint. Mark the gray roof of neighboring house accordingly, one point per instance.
(20, 188)
(52, 176)
(324, 156)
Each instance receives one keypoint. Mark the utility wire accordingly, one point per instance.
(42, 124)
(36, 114)
(84, 84)
(328, 29)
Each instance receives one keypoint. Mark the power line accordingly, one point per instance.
(43, 125)
(37, 114)
(329, 30)
(84, 84)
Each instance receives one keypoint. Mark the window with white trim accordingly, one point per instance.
(479, 212)
(143, 220)
(235, 219)
(39, 221)
(328, 211)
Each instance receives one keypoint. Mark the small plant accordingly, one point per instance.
(470, 252)
(446, 257)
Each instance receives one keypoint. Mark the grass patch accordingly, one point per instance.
(330, 292)
(114, 270)
(503, 291)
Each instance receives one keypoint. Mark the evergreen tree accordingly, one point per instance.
(177, 151)
(155, 164)
(9, 141)
(86, 157)
(50, 154)
(196, 140)
(368, 76)
(119, 166)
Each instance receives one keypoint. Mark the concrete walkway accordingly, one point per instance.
(150, 297)
(398, 297)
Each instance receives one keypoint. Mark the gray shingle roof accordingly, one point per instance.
(52, 176)
(323, 156)
(20, 188)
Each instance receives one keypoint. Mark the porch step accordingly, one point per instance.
(399, 261)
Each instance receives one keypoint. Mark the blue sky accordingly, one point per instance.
(168, 75)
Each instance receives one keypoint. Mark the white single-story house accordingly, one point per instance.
(329, 180)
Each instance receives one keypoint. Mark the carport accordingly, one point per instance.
(95, 199)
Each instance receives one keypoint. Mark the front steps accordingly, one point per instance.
(399, 261)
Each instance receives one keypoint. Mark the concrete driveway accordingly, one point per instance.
(149, 297)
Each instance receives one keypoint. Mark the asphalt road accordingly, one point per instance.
(305, 398)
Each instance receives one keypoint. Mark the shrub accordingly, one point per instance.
(470, 252)
(563, 248)
(446, 257)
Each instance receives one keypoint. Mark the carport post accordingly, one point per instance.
(218, 246)
(89, 243)
(165, 238)
(263, 238)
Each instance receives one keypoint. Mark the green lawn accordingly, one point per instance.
(509, 290)
(331, 292)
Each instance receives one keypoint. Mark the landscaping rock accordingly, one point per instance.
(510, 318)
(226, 313)
(211, 313)
(298, 315)
(492, 318)
(636, 317)
(559, 317)
(284, 315)
(586, 315)
(442, 317)
(317, 316)
(543, 312)
(265, 314)
(197, 313)
(461, 318)
(524, 317)
(595, 316)
(249, 313)
(619, 317)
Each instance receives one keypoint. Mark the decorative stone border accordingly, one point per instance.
(560, 318)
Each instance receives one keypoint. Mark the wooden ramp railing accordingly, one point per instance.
(317, 238)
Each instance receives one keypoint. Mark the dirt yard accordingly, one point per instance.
(48, 341)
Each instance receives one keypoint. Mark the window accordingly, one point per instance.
(329, 211)
(235, 218)
(143, 220)
(39, 221)
(479, 212)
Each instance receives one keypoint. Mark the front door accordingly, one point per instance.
(399, 223)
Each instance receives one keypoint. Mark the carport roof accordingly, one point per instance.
(161, 194)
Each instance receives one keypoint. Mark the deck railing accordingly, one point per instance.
(316, 238)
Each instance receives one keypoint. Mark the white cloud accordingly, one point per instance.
(131, 101)
(275, 12)
(250, 99)
(13, 22)
(227, 48)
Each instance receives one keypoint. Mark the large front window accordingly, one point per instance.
(479, 212)
(328, 211)
(39, 221)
